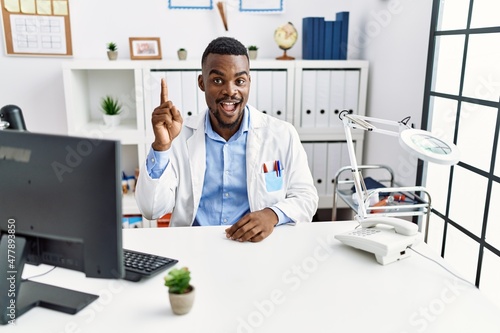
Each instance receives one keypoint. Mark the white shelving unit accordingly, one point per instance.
(280, 88)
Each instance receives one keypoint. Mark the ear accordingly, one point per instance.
(200, 83)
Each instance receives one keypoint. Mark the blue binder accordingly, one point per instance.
(343, 17)
(307, 37)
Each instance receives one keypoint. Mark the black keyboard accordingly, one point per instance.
(139, 264)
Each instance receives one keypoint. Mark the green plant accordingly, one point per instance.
(252, 48)
(178, 280)
(110, 106)
(182, 49)
(112, 47)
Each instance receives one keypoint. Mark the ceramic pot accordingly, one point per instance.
(182, 54)
(111, 120)
(252, 54)
(182, 303)
(112, 55)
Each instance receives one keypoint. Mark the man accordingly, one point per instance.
(231, 165)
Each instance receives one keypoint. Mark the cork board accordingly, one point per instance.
(37, 27)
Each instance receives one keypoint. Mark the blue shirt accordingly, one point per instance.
(224, 198)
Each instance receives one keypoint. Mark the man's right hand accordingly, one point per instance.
(166, 120)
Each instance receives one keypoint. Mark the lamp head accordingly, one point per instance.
(428, 147)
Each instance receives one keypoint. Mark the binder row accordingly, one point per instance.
(325, 40)
(325, 159)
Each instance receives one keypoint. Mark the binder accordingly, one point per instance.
(343, 17)
(319, 33)
(308, 147)
(174, 82)
(351, 93)
(329, 27)
(189, 93)
(334, 163)
(307, 113)
(322, 107)
(319, 166)
(264, 91)
(307, 37)
(279, 107)
(337, 97)
(254, 83)
(202, 103)
(337, 29)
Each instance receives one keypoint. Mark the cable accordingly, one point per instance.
(42, 274)
(438, 263)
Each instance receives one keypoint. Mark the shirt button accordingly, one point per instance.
(152, 160)
(227, 195)
(225, 220)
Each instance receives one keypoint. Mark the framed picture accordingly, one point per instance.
(144, 48)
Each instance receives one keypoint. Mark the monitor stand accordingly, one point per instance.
(18, 296)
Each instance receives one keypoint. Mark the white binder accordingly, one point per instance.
(307, 114)
(337, 86)
(189, 93)
(322, 107)
(334, 163)
(279, 93)
(264, 91)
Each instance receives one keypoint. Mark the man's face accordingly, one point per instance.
(226, 82)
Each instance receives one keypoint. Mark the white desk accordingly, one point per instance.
(300, 279)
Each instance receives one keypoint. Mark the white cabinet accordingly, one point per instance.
(307, 93)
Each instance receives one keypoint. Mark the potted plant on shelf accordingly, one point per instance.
(112, 51)
(180, 291)
(182, 53)
(111, 109)
(252, 52)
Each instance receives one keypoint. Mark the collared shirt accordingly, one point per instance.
(224, 197)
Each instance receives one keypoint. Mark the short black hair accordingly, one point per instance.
(224, 45)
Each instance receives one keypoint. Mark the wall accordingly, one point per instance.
(392, 35)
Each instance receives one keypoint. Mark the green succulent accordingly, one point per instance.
(253, 48)
(110, 106)
(112, 46)
(178, 280)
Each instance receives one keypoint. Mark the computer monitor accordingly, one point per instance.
(60, 204)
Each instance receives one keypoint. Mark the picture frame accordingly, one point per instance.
(145, 48)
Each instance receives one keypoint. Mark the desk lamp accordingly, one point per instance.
(390, 244)
(11, 117)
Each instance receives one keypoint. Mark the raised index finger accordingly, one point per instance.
(164, 92)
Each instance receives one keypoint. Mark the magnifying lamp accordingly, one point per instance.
(423, 144)
(383, 234)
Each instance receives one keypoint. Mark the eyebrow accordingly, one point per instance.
(217, 72)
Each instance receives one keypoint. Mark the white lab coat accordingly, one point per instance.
(179, 188)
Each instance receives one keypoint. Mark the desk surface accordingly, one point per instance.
(300, 279)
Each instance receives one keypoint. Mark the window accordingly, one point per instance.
(462, 103)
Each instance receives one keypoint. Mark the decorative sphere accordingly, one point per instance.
(285, 36)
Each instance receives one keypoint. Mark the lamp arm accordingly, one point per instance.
(360, 192)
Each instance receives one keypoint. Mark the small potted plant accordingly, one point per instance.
(182, 53)
(111, 109)
(180, 291)
(112, 50)
(252, 52)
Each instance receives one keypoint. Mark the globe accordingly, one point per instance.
(286, 37)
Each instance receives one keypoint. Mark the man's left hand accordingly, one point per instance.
(254, 226)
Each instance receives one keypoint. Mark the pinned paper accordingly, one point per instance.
(12, 6)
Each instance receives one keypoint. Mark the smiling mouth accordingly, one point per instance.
(229, 106)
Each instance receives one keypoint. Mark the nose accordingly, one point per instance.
(230, 88)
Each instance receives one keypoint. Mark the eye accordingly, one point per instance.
(217, 80)
(241, 82)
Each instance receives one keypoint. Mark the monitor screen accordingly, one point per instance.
(60, 204)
